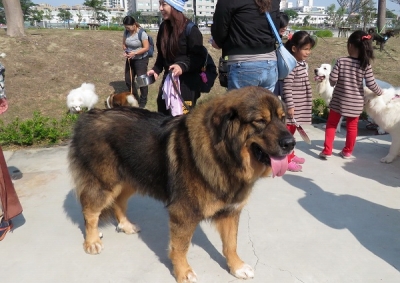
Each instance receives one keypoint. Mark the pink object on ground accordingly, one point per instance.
(3, 105)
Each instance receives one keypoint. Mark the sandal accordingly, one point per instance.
(294, 167)
(298, 160)
(5, 226)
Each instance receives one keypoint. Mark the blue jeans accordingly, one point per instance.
(255, 73)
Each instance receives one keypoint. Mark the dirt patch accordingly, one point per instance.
(44, 66)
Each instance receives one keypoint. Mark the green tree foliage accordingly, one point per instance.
(65, 16)
(292, 14)
(27, 11)
(36, 16)
(2, 13)
(97, 6)
(368, 14)
(335, 17)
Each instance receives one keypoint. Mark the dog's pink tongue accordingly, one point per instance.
(279, 165)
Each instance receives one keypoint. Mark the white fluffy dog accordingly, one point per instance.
(385, 111)
(324, 88)
(82, 97)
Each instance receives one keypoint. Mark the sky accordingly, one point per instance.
(389, 4)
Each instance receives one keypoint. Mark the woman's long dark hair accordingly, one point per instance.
(263, 5)
(362, 41)
(170, 36)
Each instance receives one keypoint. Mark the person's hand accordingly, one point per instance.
(176, 70)
(151, 72)
(3, 105)
(291, 112)
(130, 54)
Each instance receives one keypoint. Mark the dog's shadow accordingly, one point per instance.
(118, 86)
(375, 226)
(152, 218)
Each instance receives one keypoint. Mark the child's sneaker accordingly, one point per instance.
(294, 167)
(298, 160)
(345, 155)
(322, 155)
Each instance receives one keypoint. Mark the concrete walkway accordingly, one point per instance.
(337, 221)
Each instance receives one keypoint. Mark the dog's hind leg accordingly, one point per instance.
(120, 206)
(227, 226)
(181, 233)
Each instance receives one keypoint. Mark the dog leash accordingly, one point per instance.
(130, 72)
(177, 90)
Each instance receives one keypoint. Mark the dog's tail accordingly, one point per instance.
(109, 101)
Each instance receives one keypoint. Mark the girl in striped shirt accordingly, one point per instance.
(297, 90)
(348, 95)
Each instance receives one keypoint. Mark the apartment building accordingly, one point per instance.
(204, 8)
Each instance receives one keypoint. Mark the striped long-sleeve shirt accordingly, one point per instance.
(348, 94)
(297, 93)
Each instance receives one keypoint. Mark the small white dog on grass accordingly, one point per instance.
(385, 111)
(82, 97)
(324, 88)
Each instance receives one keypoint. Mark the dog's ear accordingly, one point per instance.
(221, 120)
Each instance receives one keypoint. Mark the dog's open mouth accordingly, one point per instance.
(319, 78)
(279, 164)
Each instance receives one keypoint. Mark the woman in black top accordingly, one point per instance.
(241, 29)
(179, 53)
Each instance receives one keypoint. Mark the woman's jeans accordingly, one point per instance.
(255, 73)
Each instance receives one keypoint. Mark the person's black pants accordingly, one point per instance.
(138, 68)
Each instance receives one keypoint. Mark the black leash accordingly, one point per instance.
(177, 90)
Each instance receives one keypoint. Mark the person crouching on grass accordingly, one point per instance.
(297, 92)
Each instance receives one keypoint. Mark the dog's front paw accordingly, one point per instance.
(245, 272)
(94, 247)
(189, 277)
(387, 159)
(128, 228)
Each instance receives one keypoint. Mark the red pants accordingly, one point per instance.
(331, 124)
(292, 129)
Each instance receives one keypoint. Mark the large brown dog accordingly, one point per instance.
(202, 166)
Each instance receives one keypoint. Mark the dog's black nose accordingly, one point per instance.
(287, 143)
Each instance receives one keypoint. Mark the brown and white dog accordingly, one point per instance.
(121, 99)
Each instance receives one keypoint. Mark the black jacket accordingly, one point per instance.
(239, 28)
(190, 58)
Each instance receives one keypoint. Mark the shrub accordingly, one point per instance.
(324, 33)
(37, 130)
(319, 108)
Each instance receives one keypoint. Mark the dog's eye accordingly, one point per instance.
(260, 121)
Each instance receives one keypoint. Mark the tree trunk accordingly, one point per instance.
(381, 16)
(14, 18)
